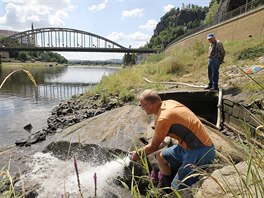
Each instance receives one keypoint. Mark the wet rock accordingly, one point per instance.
(28, 127)
(85, 152)
(34, 138)
(73, 111)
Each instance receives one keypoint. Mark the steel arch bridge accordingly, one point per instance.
(64, 39)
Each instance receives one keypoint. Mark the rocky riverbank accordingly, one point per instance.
(71, 112)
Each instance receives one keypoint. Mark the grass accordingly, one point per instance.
(185, 65)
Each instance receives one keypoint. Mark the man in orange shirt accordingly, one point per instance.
(177, 121)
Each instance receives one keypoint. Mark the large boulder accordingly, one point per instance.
(230, 181)
(113, 129)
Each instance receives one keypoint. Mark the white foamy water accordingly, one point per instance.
(57, 177)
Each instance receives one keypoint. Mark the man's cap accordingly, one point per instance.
(209, 36)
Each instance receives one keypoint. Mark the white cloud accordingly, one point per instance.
(116, 36)
(20, 14)
(55, 21)
(99, 6)
(139, 36)
(33, 18)
(2, 20)
(168, 7)
(12, 1)
(149, 26)
(55, 5)
(133, 13)
(137, 39)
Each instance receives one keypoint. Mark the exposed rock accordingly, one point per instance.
(226, 182)
(33, 138)
(227, 6)
(179, 18)
(113, 129)
(73, 111)
(261, 60)
(92, 153)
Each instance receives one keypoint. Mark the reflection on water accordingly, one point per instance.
(58, 91)
(79, 74)
(22, 103)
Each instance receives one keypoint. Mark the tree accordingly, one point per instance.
(212, 10)
(23, 57)
(129, 59)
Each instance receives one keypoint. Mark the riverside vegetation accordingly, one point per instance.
(190, 66)
(187, 65)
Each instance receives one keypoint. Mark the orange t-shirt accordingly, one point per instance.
(177, 121)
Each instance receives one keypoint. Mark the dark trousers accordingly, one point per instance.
(213, 72)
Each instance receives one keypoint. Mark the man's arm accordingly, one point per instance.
(156, 144)
(220, 48)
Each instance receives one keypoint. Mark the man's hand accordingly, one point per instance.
(133, 156)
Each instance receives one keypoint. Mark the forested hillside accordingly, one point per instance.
(179, 21)
(175, 23)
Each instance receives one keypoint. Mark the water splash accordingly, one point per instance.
(56, 176)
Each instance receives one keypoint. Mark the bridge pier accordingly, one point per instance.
(129, 59)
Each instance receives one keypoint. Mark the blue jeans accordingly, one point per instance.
(180, 160)
(213, 72)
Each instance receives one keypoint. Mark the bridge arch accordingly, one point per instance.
(59, 38)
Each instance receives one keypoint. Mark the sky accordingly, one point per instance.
(126, 22)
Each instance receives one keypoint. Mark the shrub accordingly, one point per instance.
(251, 53)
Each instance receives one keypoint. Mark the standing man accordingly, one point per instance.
(194, 147)
(216, 56)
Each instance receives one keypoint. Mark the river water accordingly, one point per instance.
(22, 103)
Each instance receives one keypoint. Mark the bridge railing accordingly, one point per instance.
(234, 13)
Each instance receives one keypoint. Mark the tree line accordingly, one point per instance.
(24, 56)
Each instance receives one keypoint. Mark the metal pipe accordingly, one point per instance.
(219, 105)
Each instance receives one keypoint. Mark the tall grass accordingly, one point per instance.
(7, 183)
(245, 179)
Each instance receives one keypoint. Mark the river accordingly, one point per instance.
(22, 103)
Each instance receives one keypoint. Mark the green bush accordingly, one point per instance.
(199, 48)
(251, 53)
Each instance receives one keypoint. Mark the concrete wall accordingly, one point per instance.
(238, 28)
(241, 117)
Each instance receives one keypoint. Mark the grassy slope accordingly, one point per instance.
(183, 65)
